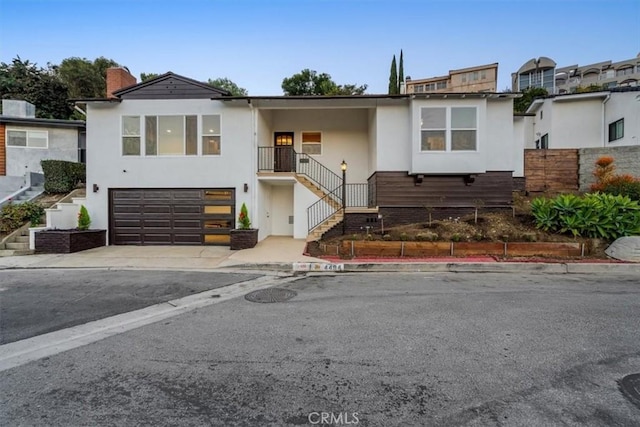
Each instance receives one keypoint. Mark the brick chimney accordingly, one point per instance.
(117, 78)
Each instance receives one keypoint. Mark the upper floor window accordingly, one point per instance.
(211, 135)
(448, 129)
(131, 135)
(616, 130)
(170, 135)
(312, 143)
(28, 138)
(625, 71)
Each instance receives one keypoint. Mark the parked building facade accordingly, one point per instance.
(543, 73)
(171, 160)
(481, 78)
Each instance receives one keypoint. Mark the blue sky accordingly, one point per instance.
(258, 43)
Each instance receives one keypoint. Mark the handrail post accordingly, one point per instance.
(343, 166)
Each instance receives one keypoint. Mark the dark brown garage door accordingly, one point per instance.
(171, 216)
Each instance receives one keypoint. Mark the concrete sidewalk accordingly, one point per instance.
(272, 250)
(285, 254)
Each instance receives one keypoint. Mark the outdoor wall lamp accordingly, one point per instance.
(246, 187)
(95, 188)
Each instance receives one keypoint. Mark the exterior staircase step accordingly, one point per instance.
(12, 252)
(17, 246)
(22, 239)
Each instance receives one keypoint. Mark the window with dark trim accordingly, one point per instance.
(544, 141)
(616, 130)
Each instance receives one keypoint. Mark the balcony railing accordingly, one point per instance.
(286, 159)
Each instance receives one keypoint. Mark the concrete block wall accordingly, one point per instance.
(627, 161)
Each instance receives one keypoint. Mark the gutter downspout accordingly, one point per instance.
(604, 128)
(254, 160)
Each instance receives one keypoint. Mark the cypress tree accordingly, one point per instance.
(400, 73)
(393, 78)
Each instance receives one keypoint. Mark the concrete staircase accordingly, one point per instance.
(16, 243)
(334, 203)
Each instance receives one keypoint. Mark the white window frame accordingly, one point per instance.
(27, 132)
(139, 136)
(203, 134)
(448, 131)
(302, 143)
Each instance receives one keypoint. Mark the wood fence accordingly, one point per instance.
(554, 170)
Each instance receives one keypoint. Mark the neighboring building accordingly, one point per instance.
(535, 73)
(26, 140)
(171, 160)
(542, 72)
(594, 119)
(606, 74)
(483, 78)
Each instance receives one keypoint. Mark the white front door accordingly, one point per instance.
(282, 210)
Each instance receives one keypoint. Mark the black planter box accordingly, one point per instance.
(68, 241)
(243, 239)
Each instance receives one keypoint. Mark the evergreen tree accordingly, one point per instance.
(393, 78)
(400, 72)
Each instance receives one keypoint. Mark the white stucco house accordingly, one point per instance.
(171, 160)
(25, 140)
(608, 118)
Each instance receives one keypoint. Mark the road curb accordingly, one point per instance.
(450, 267)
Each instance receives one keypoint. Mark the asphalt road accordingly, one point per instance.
(382, 350)
(34, 302)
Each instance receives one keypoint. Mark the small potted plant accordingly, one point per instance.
(244, 237)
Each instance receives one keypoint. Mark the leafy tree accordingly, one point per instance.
(148, 76)
(520, 105)
(40, 86)
(393, 78)
(228, 85)
(83, 78)
(309, 82)
(400, 72)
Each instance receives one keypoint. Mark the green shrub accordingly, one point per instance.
(593, 215)
(387, 237)
(404, 237)
(84, 220)
(14, 215)
(623, 185)
(61, 176)
(427, 236)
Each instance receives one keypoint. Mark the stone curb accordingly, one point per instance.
(449, 267)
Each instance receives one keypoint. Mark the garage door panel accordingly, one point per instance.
(156, 223)
(187, 209)
(171, 216)
(188, 195)
(156, 209)
(192, 224)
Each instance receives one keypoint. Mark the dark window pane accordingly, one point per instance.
(192, 135)
(151, 135)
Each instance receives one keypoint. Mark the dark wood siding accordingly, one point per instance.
(172, 87)
(553, 170)
(170, 216)
(401, 189)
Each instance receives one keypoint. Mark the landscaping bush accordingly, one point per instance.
(14, 215)
(623, 185)
(61, 176)
(593, 215)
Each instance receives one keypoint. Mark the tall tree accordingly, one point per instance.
(228, 85)
(39, 86)
(393, 77)
(148, 76)
(520, 105)
(400, 72)
(85, 78)
(309, 82)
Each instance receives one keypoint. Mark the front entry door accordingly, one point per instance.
(283, 152)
